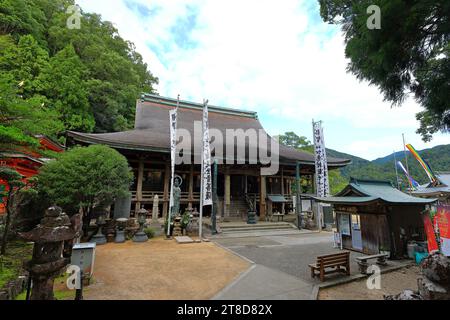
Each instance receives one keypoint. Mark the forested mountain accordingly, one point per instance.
(379, 169)
(383, 168)
(55, 78)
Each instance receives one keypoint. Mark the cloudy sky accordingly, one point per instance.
(274, 57)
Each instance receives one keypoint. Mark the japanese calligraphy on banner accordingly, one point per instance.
(322, 185)
(206, 159)
(429, 231)
(173, 148)
(443, 217)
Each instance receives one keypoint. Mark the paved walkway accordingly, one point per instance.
(260, 282)
(280, 268)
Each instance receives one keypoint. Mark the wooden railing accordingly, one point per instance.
(150, 195)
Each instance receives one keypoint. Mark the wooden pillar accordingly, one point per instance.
(140, 178)
(282, 189)
(227, 197)
(262, 198)
(166, 191)
(245, 184)
(191, 186)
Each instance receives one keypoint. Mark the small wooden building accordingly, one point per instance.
(373, 216)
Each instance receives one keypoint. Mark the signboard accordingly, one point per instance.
(344, 224)
(443, 217)
(206, 160)
(173, 148)
(323, 188)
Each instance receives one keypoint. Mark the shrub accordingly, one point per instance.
(149, 232)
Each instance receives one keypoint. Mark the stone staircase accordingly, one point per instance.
(241, 229)
(238, 208)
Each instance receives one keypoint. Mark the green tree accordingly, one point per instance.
(106, 80)
(84, 178)
(292, 140)
(409, 54)
(24, 62)
(64, 83)
(21, 118)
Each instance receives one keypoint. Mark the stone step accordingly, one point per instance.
(257, 233)
(247, 228)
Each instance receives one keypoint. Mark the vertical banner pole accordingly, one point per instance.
(214, 206)
(206, 188)
(173, 145)
(322, 184)
(406, 160)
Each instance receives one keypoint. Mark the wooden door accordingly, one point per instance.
(369, 233)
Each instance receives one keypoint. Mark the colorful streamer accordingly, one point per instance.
(424, 165)
(413, 182)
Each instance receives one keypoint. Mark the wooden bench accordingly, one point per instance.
(363, 265)
(339, 262)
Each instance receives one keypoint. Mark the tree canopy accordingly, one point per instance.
(53, 78)
(408, 54)
(85, 177)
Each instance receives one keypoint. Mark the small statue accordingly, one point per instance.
(176, 195)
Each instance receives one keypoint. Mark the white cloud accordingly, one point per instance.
(270, 56)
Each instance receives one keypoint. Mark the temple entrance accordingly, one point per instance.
(237, 186)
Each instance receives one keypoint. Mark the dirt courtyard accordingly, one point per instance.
(162, 270)
(391, 283)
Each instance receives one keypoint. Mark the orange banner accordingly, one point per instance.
(429, 231)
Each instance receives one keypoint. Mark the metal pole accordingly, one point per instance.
(406, 160)
(396, 172)
(214, 206)
(79, 292)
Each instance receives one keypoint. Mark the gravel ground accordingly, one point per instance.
(162, 270)
(391, 283)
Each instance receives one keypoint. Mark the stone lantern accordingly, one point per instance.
(99, 238)
(141, 236)
(47, 261)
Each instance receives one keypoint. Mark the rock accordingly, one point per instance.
(436, 267)
(432, 291)
(405, 295)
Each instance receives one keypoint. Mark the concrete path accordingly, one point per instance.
(262, 283)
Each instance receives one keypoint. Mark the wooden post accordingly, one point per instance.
(227, 197)
(298, 209)
(262, 198)
(166, 191)
(191, 186)
(140, 178)
(282, 189)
